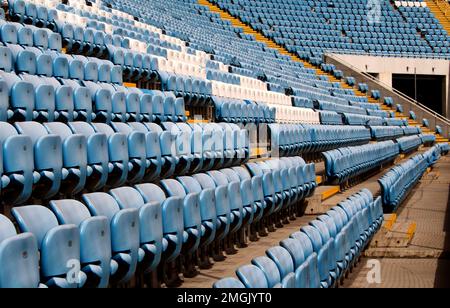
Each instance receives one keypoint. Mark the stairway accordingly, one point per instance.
(236, 22)
(439, 9)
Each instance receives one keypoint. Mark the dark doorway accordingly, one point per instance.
(430, 90)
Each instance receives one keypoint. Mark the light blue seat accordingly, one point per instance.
(75, 158)
(282, 259)
(45, 103)
(124, 225)
(153, 151)
(118, 154)
(223, 208)
(48, 158)
(20, 257)
(270, 270)
(167, 142)
(206, 198)
(322, 254)
(17, 165)
(191, 213)
(137, 151)
(59, 246)
(95, 240)
(21, 98)
(97, 155)
(234, 192)
(252, 277)
(150, 224)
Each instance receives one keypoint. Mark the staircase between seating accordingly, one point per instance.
(441, 10)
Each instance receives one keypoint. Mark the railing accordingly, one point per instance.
(431, 114)
(445, 56)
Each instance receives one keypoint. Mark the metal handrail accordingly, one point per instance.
(445, 56)
(390, 88)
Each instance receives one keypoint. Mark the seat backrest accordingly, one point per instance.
(18, 256)
(127, 197)
(173, 188)
(252, 277)
(151, 192)
(322, 228)
(308, 248)
(101, 204)
(295, 249)
(95, 234)
(269, 269)
(58, 244)
(282, 259)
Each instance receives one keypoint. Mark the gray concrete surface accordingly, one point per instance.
(425, 262)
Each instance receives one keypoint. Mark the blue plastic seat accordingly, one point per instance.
(124, 225)
(17, 165)
(137, 151)
(97, 155)
(167, 142)
(59, 246)
(150, 223)
(252, 277)
(48, 158)
(234, 192)
(20, 257)
(222, 204)
(75, 158)
(21, 98)
(208, 214)
(270, 270)
(153, 151)
(119, 158)
(191, 213)
(95, 240)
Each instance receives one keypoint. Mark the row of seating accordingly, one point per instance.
(31, 13)
(412, 130)
(237, 111)
(381, 133)
(397, 182)
(131, 231)
(320, 254)
(409, 144)
(357, 119)
(346, 163)
(42, 160)
(395, 122)
(45, 99)
(291, 139)
(330, 118)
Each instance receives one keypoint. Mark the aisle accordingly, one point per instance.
(425, 262)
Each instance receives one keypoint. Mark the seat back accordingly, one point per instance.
(95, 234)
(270, 270)
(295, 249)
(282, 259)
(252, 277)
(58, 245)
(19, 257)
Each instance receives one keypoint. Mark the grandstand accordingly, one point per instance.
(215, 143)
